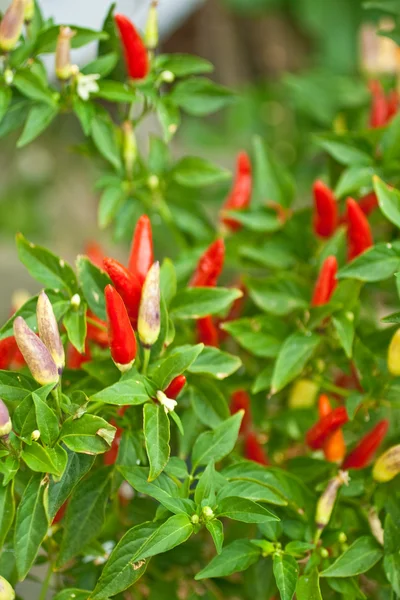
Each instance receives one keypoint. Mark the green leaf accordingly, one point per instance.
(353, 179)
(252, 490)
(208, 403)
(46, 420)
(130, 390)
(110, 203)
(376, 264)
(7, 510)
(104, 137)
(343, 322)
(5, 99)
(39, 119)
(175, 364)
(45, 460)
(308, 587)
(278, 297)
(363, 554)
(169, 117)
(346, 153)
(391, 560)
(237, 556)
(286, 571)
(15, 386)
(30, 525)
(215, 363)
(260, 335)
(197, 172)
(216, 530)
(273, 254)
(347, 587)
(75, 324)
(46, 267)
(293, 357)
(47, 39)
(271, 181)
(85, 112)
(156, 436)
(103, 65)
(168, 282)
(241, 509)
(265, 221)
(72, 594)
(205, 488)
(183, 64)
(200, 96)
(93, 281)
(16, 116)
(115, 91)
(85, 514)
(214, 445)
(89, 434)
(192, 303)
(389, 201)
(263, 380)
(31, 86)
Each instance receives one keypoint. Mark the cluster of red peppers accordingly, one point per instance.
(252, 448)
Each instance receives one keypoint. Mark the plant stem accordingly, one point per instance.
(57, 397)
(46, 583)
(94, 406)
(166, 215)
(96, 324)
(146, 359)
(330, 387)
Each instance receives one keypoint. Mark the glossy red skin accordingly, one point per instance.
(326, 282)
(207, 332)
(127, 285)
(379, 107)
(142, 256)
(317, 435)
(334, 446)
(135, 52)
(8, 347)
(175, 387)
(110, 456)
(240, 195)
(363, 453)
(95, 253)
(98, 335)
(121, 336)
(210, 266)
(253, 450)
(60, 513)
(75, 359)
(392, 103)
(368, 203)
(325, 210)
(240, 400)
(359, 236)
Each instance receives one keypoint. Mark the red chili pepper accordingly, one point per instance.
(240, 400)
(60, 513)
(8, 346)
(240, 195)
(379, 106)
(127, 285)
(368, 203)
(326, 282)
(110, 456)
(207, 333)
(175, 387)
(234, 313)
(95, 254)
(334, 446)
(253, 450)
(392, 102)
(95, 334)
(362, 454)
(210, 266)
(141, 256)
(325, 210)
(120, 333)
(359, 236)
(75, 359)
(136, 57)
(317, 435)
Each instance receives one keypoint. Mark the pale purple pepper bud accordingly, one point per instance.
(64, 67)
(149, 310)
(35, 353)
(5, 421)
(11, 25)
(48, 330)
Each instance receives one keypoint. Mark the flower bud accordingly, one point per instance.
(129, 146)
(75, 301)
(11, 25)
(149, 311)
(64, 68)
(29, 11)
(5, 421)
(48, 330)
(167, 76)
(328, 498)
(151, 32)
(303, 394)
(35, 353)
(208, 512)
(6, 591)
(168, 403)
(388, 465)
(393, 359)
(35, 435)
(375, 525)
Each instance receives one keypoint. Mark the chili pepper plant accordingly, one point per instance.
(224, 421)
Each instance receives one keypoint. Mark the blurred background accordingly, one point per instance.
(295, 64)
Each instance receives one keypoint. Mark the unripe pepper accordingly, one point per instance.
(388, 465)
(151, 32)
(48, 330)
(129, 148)
(326, 282)
(35, 353)
(63, 53)
(325, 210)
(240, 196)
(149, 311)
(127, 285)
(318, 434)
(253, 450)
(359, 236)
(6, 591)
(141, 257)
(121, 336)
(240, 400)
(11, 25)
(207, 332)
(362, 454)
(303, 394)
(5, 421)
(334, 446)
(210, 266)
(327, 501)
(136, 58)
(393, 359)
(175, 387)
(29, 11)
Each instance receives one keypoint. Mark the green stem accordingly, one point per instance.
(96, 324)
(46, 583)
(166, 215)
(146, 359)
(57, 394)
(330, 387)
(94, 406)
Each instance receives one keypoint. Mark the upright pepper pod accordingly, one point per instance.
(327, 500)
(362, 454)
(129, 147)
(210, 266)
(151, 32)
(359, 236)
(325, 210)
(379, 108)
(35, 353)
(253, 450)
(48, 330)
(127, 285)
(11, 25)
(319, 433)
(393, 358)
(7, 350)
(136, 58)
(368, 203)
(63, 53)
(240, 400)
(303, 394)
(141, 256)
(175, 387)
(29, 11)
(149, 311)
(75, 359)
(387, 465)
(326, 282)
(121, 336)
(5, 421)
(240, 195)
(334, 446)
(207, 332)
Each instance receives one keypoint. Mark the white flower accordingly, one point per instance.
(86, 85)
(168, 403)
